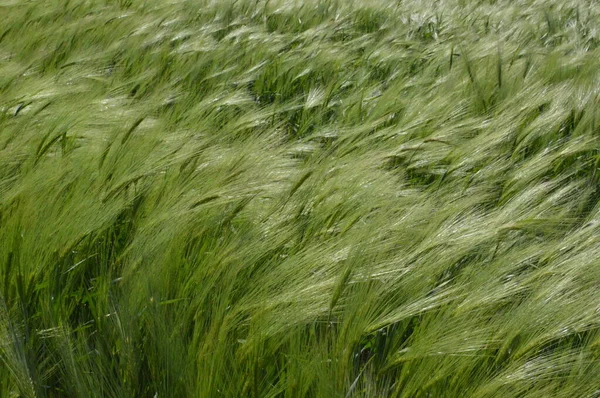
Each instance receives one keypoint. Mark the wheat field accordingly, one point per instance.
(281, 198)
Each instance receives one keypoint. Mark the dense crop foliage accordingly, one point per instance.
(289, 198)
